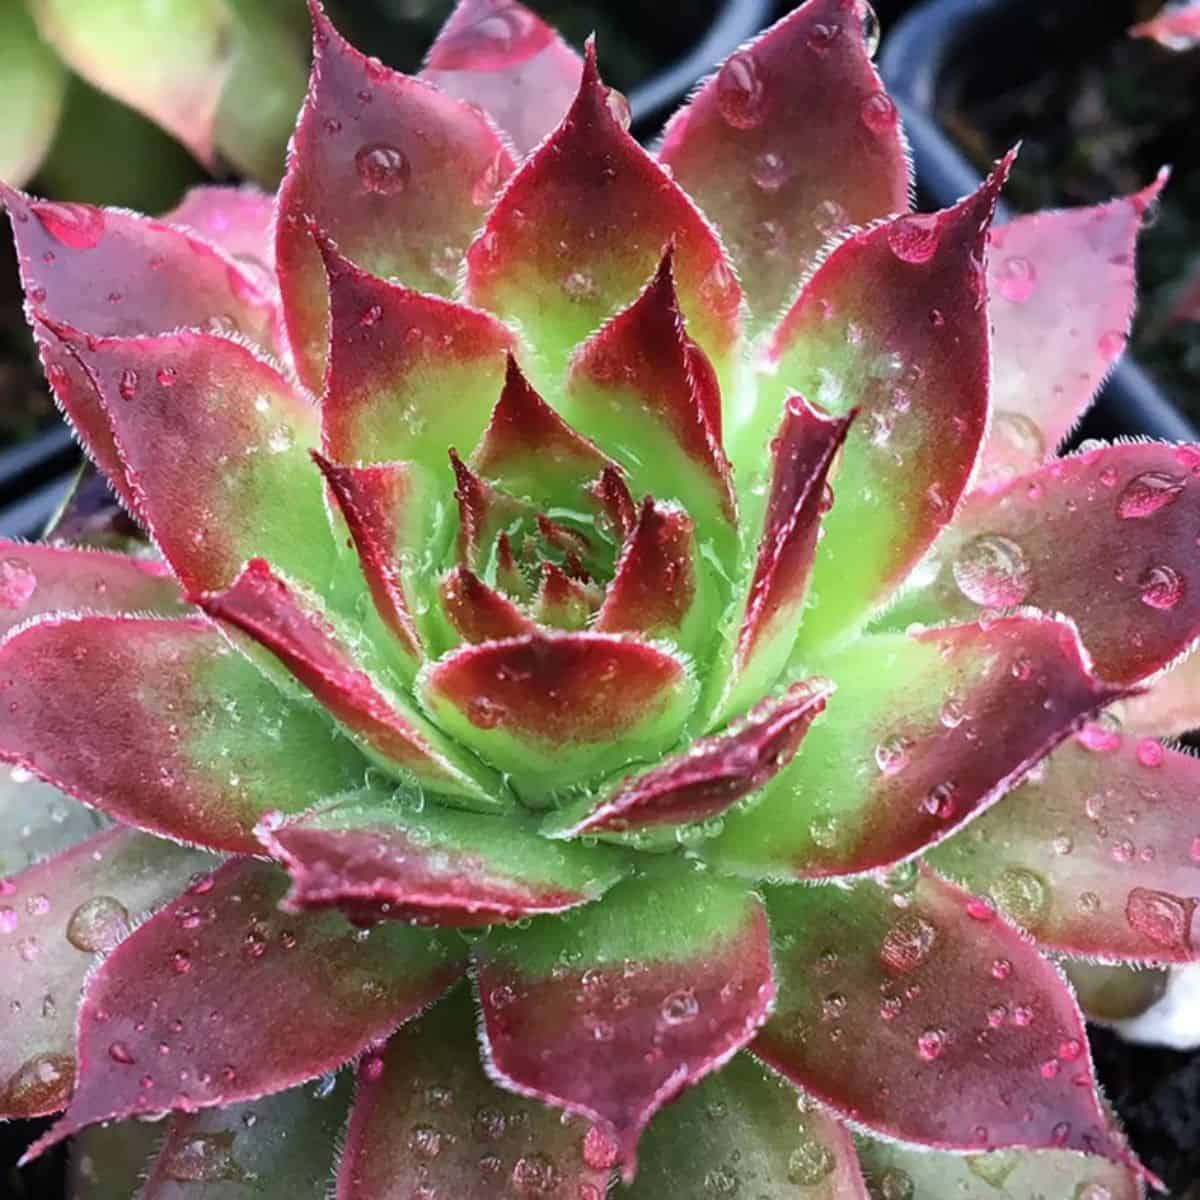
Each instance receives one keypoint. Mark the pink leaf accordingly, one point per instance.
(480, 613)
(1177, 26)
(1169, 706)
(238, 219)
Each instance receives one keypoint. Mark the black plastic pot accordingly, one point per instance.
(960, 36)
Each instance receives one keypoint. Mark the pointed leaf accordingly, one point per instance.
(711, 776)
(238, 219)
(37, 579)
(1098, 853)
(397, 172)
(745, 1129)
(939, 1002)
(54, 919)
(893, 323)
(1169, 706)
(480, 613)
(1106, 537)
(556, 708)
(293, 627)
(159, 724)
(375, 857)
(395, 356)
(923, 733)
(466, 1138)
(667, 978)
(611, 492)
(1177, 26)
(484, 512)
(305, 981)
(562, 602)
(1061, 291)
(580, 229)
(792, 140)
(33, 85)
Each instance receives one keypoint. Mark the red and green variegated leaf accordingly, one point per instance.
(1169, 706)
(288, 1138)
(892, 323)
(159, 724)
(224, 979)
(215, 445)
(531, 452)
(1177, 27)
(923, 733)
(555, 709)
(37, 579)
(1096, 854)
(54, 919)
(294, 627)
(499, 55)
(479, 613)
(580, 229)
(617, 508)
(37, 820)
(1106, 537)
(375, 856)
(668, 977)
(777, 181)
(746, 1131)
(238, 219)
(1061, 290)
(894, 1170)
(427, 1118)
(633, 387)
(483, 512)
(399, 173)
(711, 776)
(563, 602)
(802, 454)
(395, 357)
(109, 1162)
(939, 1002)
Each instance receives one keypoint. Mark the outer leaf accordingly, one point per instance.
(892, 323)
(238, 219)
(1169, 706)
(399, 173)
(554, 709)
(159, 724)
(373, 855)
(778, 182)
(708, 778)
(37, 820)
(36, 579)
(580, 229)
(1061, 290)
(959, 1015)
(480, 613)
(746, 1130)
(1106, 537)
(54, 919)
(666, 980)
(1098, 854)
(285, 1143)
(1177, 27)
(463, 1136)
(893, 1170)
(307, 982)
(924, 733)
(34, 83)
(292, 626)
(499, 55)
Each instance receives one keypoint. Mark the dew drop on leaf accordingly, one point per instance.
(740, 91)
(1161, 587)
(907, 944)
(992, 571)
(769, 171)
(914, 239)
(1022, 893)
(98, 924)
(810, 1162)
(74, 225)
(870, 28)
(1147, 493)
(893, 754)
(931, 1043)
(382, 168)
(895, 1184)
(1019, 434)
(40, 1084)
(535, 1175)
(17, 583)
(1160, 917)
(878, 113)
(202, 1158)
(1016, 279)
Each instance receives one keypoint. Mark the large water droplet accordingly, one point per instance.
(600, 1149)
(98, 924)
(895, 1184)
(535, 1175)
(878, 113)
(1160, 917)
(893, 754)
(679, 1007)
(504, 37)
(931, 1043)
(17, 583)
(1160, 587)
(769, 171)
(907, 944)
(740, 91)
(382, 168)
(75, 225)
(810, 1162)
(202, 1158)
(1022, 893)
(1020, 434)
(870, 27)
(914, 239)
(1016, 279)
(1147, 493)
(994, 1169)
(992, 571)
(40, 1084)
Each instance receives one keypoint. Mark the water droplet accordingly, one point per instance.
(120, 1053)
(1150, 753)
(931, 1043)
(937, 318)
(535, 1175)
(1088, 903)
(1147, 493)
(914, 239)
(740, 91)
(98, 924)
(1022, 893)
(907, 944)
(17, 583)
(1063, 844)
(1093, 1191)
(878, 113)
(1161, 587)
(280, 439)
(893, 754)
(382, 168)
(1016, 279)
(1162, 918)
(579, 286)
(810, 1162)
(600, 1149)
(425, 1141)
(980, 908)
(991, 570)
(952, 714)
(78, 226)
(202, 1158)
(769, 171)
(1001, 968)
(127, 384)
(870, 33)
(1111, 343)
(720, 289)
(830, 217)
(618, 107)
(821, 36)
(895, 1184)
(942, 801)
(40, 1084)
(679, 1007)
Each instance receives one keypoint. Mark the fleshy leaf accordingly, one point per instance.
(374, 856)
(214, 442)
(397, 172)
(1097, 854)
(667, 979)
(86, 697)
(54, 919)
(893, 1170)
(467, 1139)
(1177, 26)
(777, 182)
(1170, 705)
(557, 708)
(708, 778)
(305, 981)
(395, 357)
(483, 512)
(612, 494)
(33, 85)
(37, 579)
(939, 1002)
(238, 219)
(292, 626)
(746, 1130)
(579, 230)
(1061, 291)
(499, 55)
(892, 323)
(480, 613)
(563, 602)
(1107, 537)
(923, 733)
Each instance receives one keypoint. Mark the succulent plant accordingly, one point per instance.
(622, 663)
